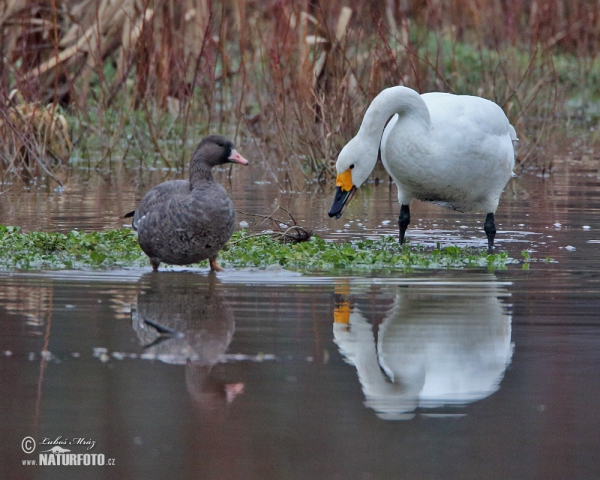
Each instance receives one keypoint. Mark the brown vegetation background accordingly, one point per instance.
(294, 75)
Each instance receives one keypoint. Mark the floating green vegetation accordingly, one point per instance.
(120, 249)
(381, 255)
(75, 250)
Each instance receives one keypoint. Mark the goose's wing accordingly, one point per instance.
(158, 196)
(206, 209)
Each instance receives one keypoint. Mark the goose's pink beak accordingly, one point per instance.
(235, 157)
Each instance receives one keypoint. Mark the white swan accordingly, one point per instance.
(453, 150)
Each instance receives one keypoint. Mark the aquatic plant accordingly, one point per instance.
(382, 255)
(51, 250)
(120, 249)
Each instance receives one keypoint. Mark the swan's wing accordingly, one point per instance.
(386, 134)
(513, 134)
(474, 113)
(471, 121)
(382, 150)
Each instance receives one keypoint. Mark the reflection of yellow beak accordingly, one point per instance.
(341, 313)
(344, 180)
(341, 288)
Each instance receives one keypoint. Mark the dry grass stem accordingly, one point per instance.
(295, 76)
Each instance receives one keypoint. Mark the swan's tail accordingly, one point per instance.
(514, 138)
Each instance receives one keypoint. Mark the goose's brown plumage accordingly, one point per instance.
(181, 222)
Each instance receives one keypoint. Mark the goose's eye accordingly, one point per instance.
(351, 166)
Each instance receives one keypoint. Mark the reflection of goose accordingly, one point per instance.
(435, 346)
(182, 319)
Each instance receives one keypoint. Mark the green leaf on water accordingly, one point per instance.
(97, 257)
(453, 250)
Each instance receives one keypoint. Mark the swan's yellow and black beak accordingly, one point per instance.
(343, 194)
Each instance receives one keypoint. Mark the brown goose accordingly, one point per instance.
(182, 222)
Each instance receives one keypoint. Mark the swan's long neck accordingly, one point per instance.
(360, 153)
(395, 100)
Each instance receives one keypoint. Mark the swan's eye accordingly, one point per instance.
(351, 166)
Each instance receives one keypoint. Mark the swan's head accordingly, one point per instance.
(354, 165)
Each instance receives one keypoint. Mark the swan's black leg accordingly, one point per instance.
(403, 221)
(490, 230)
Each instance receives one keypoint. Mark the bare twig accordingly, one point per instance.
(295, 234)
(286, 234)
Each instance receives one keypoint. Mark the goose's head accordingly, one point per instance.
(212, 151)
(216, 150)
(354, 165)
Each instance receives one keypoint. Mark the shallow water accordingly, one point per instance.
(270, 374)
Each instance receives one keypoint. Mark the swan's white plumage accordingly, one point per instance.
(453, 150)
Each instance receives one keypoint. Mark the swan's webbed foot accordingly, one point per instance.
(490, 230)
(403, 221)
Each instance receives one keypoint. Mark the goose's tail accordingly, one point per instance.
(130, 215)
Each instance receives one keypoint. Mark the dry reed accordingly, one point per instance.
(295, 75)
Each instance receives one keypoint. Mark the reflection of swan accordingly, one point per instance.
(441, 344)
(182, 319)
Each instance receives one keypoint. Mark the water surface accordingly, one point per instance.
(268, 374)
